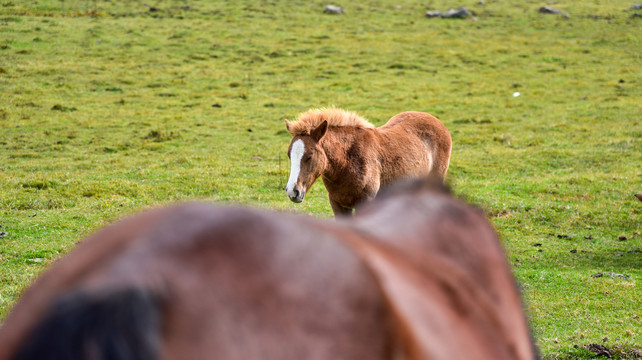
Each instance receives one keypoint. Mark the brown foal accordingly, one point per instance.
(355, 159)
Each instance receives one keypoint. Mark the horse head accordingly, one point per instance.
(307, 161)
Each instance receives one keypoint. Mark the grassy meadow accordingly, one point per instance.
(109, 107)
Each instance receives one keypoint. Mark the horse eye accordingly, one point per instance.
(308, 158)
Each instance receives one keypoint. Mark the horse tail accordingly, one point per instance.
(121, 325)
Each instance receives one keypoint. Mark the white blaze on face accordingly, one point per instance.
(296, 154)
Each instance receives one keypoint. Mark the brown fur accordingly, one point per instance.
(355, 159)
(415, 275)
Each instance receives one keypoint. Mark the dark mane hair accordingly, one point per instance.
(122, 325)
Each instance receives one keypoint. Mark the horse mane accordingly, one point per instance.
(335, 117)
(122, 324)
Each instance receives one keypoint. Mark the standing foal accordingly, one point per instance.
(355, 159)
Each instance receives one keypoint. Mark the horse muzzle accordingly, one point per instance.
(296, 195)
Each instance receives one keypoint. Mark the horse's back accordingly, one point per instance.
(416, 121)
(281, 281)
(219, 277)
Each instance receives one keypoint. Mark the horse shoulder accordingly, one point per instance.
(353, 152)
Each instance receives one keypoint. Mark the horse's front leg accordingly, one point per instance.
(370, 195)
(370, 192)
(339, 210)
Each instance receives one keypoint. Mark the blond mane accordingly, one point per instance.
(310, 119)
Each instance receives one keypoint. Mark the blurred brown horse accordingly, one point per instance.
(355, 159)
(416, 274)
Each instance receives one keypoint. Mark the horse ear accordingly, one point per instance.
(320, 130)
(288, 126)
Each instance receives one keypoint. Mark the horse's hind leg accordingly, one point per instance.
(443, 158)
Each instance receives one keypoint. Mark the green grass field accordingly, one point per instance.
(108, 107)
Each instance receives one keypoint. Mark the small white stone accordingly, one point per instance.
(331, 9)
